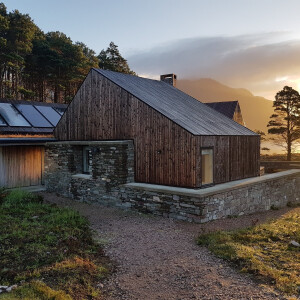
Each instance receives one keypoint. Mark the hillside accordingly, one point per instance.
(256, 110)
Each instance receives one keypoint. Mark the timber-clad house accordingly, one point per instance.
(177, 140)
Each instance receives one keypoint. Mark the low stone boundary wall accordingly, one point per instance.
(111, 182)
(235, 198)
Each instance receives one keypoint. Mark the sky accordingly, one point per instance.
(253, 44)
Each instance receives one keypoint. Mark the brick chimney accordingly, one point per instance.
(169, 78)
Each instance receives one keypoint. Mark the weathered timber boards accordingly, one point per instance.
(21, 165)
(165, 153)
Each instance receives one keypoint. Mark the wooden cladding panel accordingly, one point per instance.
(165, 153)
(235, 157)
(21, 165)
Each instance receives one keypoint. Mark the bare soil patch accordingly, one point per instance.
(158, 258)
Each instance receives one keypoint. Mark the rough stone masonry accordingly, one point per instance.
(111, 183)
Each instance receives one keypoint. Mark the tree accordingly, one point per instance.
(285, 122)
(263, 138)
(262, 135)
(111, 59)
(46, 66)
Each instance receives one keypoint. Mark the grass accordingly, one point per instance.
(279, 157)
(263, 250)
(47, 251)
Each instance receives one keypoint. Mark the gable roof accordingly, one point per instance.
(226, 108)
(29, 117)
(191, 114)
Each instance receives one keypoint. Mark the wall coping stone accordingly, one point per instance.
(112, 142)
(205, 192)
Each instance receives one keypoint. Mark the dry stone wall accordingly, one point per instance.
(111, 182)
(112, 166)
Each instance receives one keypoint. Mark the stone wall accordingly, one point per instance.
(111, 182)
(112, 166)
(236, 198)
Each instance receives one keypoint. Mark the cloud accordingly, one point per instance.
(262, 63)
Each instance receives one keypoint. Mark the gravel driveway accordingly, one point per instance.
(158, 258)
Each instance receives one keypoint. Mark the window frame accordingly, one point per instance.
(87, 160)
(213, 166)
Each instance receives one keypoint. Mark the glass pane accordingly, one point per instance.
(49, 113)
(2, 122)
(12, 116)
(33, 116)
(60, 110)
(87, 160)
(207, 166)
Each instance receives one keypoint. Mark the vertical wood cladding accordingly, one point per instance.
(21, 166)
(165, 153)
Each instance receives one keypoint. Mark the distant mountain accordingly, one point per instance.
(256, 110)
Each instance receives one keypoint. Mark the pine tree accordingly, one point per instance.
(285, 122)
(111, 59)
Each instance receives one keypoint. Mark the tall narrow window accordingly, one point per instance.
(207, 166)
(87, 160)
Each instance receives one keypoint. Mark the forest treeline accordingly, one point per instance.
(46, 66)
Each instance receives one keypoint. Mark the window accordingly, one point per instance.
(33, 116)
(12, 116)
(49, 113)
(207, 166)
(2, 122)
(60, 110)
(87, 160)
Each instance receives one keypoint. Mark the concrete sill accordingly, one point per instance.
(82, 176)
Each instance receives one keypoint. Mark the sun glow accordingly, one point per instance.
(298, 86)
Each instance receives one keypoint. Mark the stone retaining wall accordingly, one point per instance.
(112, 183)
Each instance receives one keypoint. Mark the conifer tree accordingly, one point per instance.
(111, 59)
(285, 122)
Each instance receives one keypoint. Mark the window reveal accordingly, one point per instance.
(87, 160)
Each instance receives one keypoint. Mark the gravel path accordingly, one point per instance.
(158, 258)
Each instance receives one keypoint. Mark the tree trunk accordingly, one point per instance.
(289, 150)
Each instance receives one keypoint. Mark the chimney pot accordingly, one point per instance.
(169, 78)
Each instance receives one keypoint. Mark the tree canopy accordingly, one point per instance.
(285, 122)
(46, 66)
(111, 59)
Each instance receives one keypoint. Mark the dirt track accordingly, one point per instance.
(158, 258)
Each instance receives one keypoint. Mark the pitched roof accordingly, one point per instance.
(226, 108)
(186, 111)
(29, 117)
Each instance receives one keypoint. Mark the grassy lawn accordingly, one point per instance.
(263, 250)
(47, 251)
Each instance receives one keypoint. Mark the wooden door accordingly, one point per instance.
(21, 165)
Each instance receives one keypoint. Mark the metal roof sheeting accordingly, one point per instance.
(226, 108)
(186, 111)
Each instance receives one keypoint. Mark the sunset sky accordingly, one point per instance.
(253, 44)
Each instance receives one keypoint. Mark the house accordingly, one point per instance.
(176, 139)
(230, 109)
(25, 127)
